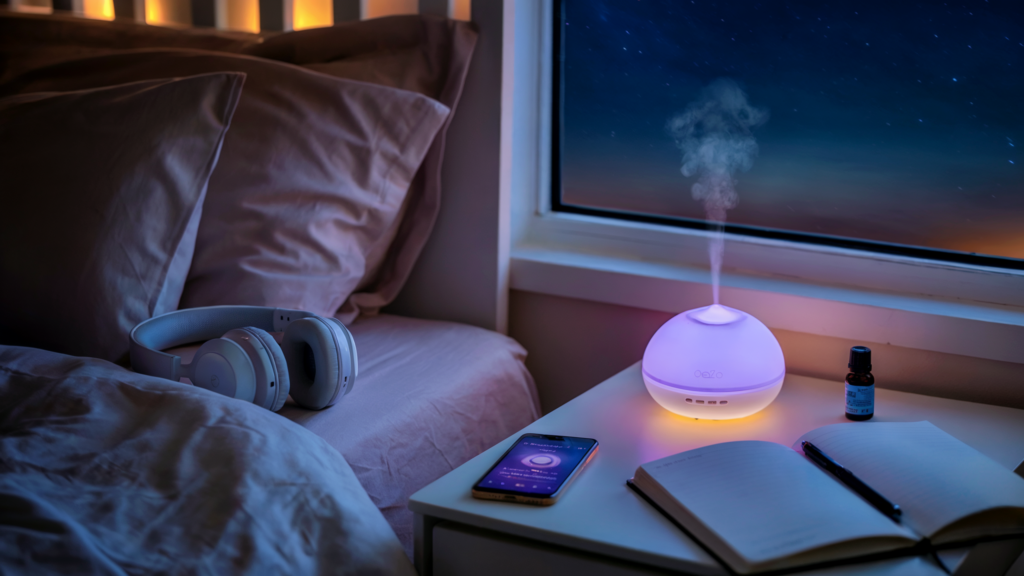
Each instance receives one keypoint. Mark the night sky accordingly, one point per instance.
(892, 121)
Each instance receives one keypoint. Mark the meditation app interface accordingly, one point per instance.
(537, 465)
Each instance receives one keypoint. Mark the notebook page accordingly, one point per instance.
(935, 478)
(766, 501)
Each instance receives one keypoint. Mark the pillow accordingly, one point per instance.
(420, 53)
(311, 180)
(100, 187)
(424, 54)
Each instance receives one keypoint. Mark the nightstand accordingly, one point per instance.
(602, 527)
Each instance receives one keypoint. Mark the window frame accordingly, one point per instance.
(557, 205)
(963, 307)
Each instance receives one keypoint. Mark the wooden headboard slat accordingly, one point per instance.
(241, 15)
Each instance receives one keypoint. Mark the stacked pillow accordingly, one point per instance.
(99, 190)
(423, 54)
(303, 208)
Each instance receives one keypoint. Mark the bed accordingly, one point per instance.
(152, 169)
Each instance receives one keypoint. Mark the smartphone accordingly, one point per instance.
(536, 469)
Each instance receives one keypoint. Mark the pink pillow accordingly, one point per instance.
(419, 53)
(424, 54)
(99, 190)
(311, 181)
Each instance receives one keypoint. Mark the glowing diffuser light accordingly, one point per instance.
(714, 362)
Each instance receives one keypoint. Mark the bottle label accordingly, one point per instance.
(860, 400)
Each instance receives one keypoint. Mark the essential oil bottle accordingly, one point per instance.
(860, 385)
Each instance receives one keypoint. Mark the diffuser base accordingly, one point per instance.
(713, 405)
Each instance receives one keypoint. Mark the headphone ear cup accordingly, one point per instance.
(222, 366)
(320, 355)
(281, 365)
(347, 349)
(272, 383)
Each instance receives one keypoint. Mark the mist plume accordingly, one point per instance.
(714, 134)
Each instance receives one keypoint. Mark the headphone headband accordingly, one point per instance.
(193, 325)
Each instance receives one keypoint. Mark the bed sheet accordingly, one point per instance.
(104, 471)
(430, 395)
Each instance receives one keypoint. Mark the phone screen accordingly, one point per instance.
(537, 464)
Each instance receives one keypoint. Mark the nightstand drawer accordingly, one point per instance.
(461, 550)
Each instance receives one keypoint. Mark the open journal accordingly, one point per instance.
(760, 506)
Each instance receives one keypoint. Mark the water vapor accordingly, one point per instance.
(714, 135)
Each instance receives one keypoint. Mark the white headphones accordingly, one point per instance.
(316, 362)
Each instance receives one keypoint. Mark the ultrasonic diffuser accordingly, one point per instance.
(714, 362)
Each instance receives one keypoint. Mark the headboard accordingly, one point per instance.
(243, 15)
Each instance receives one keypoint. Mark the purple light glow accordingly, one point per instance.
(704, 356)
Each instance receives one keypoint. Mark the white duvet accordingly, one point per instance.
(106, 471)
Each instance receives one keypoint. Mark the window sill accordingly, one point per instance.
(944, 325)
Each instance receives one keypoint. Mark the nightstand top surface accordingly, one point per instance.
(599, 514)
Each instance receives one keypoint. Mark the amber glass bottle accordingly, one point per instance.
(860, 385)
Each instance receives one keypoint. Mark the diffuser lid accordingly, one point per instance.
(715, 349)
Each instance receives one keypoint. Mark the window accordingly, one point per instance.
(882, 126)
(795, 280)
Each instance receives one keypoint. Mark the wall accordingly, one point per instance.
(576, 344)
(462, 273)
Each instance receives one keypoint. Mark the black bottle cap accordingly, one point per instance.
(860, 359)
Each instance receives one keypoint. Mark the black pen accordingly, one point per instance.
(846, 477)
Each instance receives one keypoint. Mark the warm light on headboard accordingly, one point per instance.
(154, 14)
(168, 12)
(99, 9)
(312, 13)
(244, 15)
(459, 9)
(241, 15)
(34, 6)
(379, 8)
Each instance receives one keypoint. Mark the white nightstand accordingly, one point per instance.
(602, 527)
